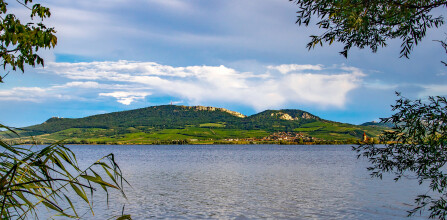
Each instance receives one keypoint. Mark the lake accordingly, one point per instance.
(249, 182)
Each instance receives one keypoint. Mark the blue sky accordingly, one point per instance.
(244, 55)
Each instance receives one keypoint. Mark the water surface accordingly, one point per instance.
(249, 182)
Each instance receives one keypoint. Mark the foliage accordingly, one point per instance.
(416, 143)
(19, 42)
(361, 23)
(416, 146)
(48, 176)
(444, 45)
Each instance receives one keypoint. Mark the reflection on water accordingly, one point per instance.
(246, 182)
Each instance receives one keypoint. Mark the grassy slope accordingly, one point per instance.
(337, 131)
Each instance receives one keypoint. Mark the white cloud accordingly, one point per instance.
(30, 94)
(77, 84)
(287, 68)
(326, 90)
(126, 98)
(135, 81)
(76, 90)
(433, 90)
(353, 70)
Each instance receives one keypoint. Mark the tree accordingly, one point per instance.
(20, 42)
(34, 176)
(416, 145)
(370, 23)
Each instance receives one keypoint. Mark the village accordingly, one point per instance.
(295, 138)
(288, 138)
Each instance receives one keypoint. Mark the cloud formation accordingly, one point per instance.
(31, 94)
(129, 82)
(287, 68)
(126, 98)
(433, 90)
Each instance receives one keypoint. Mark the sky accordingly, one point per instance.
(243, 55)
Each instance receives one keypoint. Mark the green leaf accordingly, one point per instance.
(80, 192)
(51, 206)
(71, 205)
(98, 181)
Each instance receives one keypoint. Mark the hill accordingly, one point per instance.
(165, 116)
(196, 124)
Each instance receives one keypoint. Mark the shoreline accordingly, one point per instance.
(193, 144)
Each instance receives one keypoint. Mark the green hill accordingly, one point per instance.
(196, 124)
(165, 116)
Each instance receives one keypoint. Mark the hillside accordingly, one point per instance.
(196, 124)
(165, 116)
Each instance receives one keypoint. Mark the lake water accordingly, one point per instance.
(249, 182)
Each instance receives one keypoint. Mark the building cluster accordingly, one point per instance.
(289, 136)
(277, 136)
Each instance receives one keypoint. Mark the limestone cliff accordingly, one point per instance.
(285, 116)
(207, 108)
